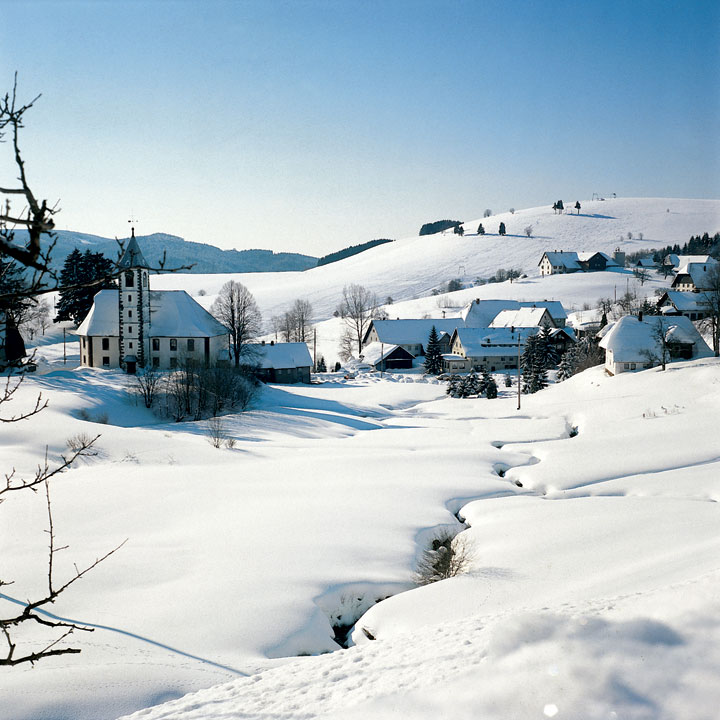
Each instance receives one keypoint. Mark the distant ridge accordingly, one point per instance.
(204, 258)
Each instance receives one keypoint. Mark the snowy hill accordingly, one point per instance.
(413, 267)
(179, 252)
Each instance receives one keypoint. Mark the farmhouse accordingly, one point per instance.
(694, 277)
(632, 343)
(678, 261)
(481, 313)
(524, 317)
(490, 349)
(134, 327)
(281, 362)
(675, 302)
(553, 263)
(410, 334)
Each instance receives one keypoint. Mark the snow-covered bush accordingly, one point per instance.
(446, 556)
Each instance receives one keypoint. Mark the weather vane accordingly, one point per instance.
(132, 222)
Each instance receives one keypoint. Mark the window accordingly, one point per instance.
(632, 366)
(129, 313)
(144, 277)
(129, 298)
(173, 344)
(106, 343)
(106, 361)
(129, 329)
(191, 345)
(626, 366)
(129, 279)
(156, 345)
(156, 361)
(173, 363)
(83, 344)
(130, 345)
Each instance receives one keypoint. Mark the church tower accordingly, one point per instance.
(134, 308)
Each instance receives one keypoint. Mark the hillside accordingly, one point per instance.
(203, 257)
(412, 267)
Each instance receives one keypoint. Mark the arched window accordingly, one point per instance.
(129, 279)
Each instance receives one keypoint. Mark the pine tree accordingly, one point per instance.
(453, 386)
(433, 355)
(568, 364)
(82, 268)
(321, 366)
(546, 350)
(508, 381)
(481, 229)
(474, 384)
(501, 229)
(491, 388)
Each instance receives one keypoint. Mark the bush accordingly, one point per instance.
(447, 555)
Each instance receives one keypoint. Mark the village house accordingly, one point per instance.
(491, 349)
(481, 313)
(677, 261)
(554, 263)
(692, 305)
(524, 317)
(694, 277)
(410, 334)
(632, 343)
(133, 327)
(280, 362)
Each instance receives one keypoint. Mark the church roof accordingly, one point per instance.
(132, 257)
(173, 313)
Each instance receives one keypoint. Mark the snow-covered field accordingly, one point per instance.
(592, 518)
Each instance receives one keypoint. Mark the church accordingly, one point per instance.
(133, 327)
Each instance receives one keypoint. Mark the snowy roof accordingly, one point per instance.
(554, 307)
(103, 318)
(585, 318)
(585, 256)
(477, 342)
(684, 301)
(682, 260)
(524, 317)
(698, 272)
(279, 356)
(568, 260)
(646, 262)
(411, 331)
(173, 313)
(480, 313)
(629, 338)
(374, 352)
(132, 257)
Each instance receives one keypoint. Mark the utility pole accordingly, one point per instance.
(315, 349)
(382, 359)
(518, 374)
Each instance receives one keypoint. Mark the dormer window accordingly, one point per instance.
(129, 279)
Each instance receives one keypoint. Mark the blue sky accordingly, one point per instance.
(308, 126)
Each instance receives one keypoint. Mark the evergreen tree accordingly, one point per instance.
(433, 356)
(501, 229)
(508, 381)
(481, 229)
(85, 269)
(474, 384)
(546, 350)
(568, 364)
(466, 388)
(321, 366)
(578, 206)
(532, 362)
(453, 386)
(491, 388)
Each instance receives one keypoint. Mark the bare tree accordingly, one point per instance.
(661, 351)
(711, 299)
(296, 324)
(147, 384)
(642, 274)
(36, 218)
(528, 230)
(357, 308)
(235, 307)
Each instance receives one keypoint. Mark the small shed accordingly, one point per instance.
(387, 357)
(281, 362)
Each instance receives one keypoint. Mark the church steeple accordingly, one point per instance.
(133, 307)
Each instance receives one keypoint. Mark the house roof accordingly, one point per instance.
(586, 256)
(480, 313)
(568, 260)
(410, 331)
(280, 356)
(630, 338)
(646, 262)
(683, 301)
(132, 257)
(374, 352)
(681, 260)
(479, 342)
(524, 317)
(173, 313)
(699, 273)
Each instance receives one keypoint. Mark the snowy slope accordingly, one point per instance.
(413, 267)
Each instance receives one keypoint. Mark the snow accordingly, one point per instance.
(592, 515)
(411, 331)
(525, 317)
